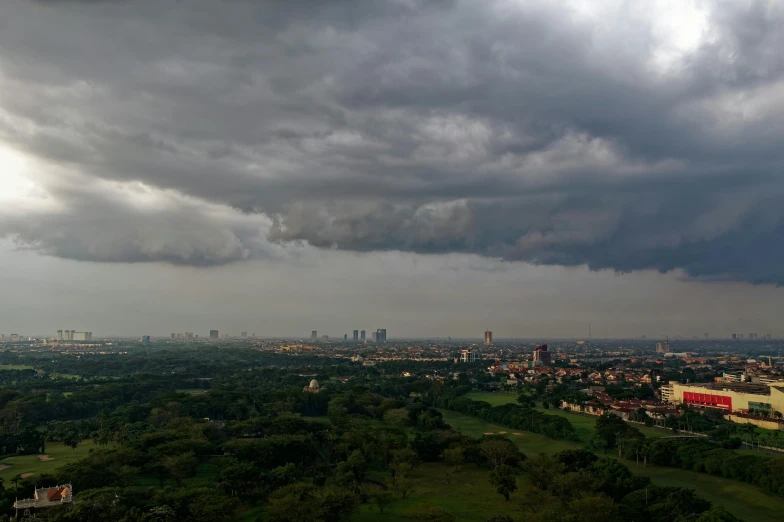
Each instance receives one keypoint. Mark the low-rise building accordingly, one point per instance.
(44, 498)
(732, 397)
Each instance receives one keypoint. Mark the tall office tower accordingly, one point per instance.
(214, 335)
(375, 336)
(381, 335)
(541, 355)
(243, 334)
(488, 337)
(663, 347)
(146, 339)
(72, 334)
(59, 335)
(89, 336)
(362, 335)
(314, 334)
(356, 335)
(345, 337)
(469, 356)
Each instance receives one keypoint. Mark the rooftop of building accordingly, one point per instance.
(738, 387)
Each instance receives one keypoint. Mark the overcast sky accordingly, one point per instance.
(435, 167)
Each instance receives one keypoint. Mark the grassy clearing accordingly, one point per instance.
(743, 500)
(583, 424)
(15, 367)
(494, 398)
(318, 418)
(250, 515)
(61, 454)
(529, 443)
(191, 391)
(469, 496)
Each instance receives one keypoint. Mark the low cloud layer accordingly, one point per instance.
(634, 136)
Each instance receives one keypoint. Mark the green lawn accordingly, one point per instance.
(494, 398)
(529, 443)
(743, 500)
(469, 496)
(583, 424)
(191, 391)
(15, 367)
(61, 454)
(250, 514)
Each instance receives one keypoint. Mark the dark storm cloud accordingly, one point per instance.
(514, 130)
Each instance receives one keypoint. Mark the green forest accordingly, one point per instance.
(214, 435)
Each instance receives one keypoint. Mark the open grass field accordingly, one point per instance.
(469, 496)
(191, 391)
(529, 443)
(743, 500)
(494, 398)
(15, 367)
(59, 453)
(249, 515)
(583, 424)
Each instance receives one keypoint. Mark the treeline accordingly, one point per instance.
(701, 455)
(704, 456)
(593, 488)
(519, 417)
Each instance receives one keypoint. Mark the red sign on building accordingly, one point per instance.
(708, 399)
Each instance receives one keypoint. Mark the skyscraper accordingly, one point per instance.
(663, 347)
(146, 339)
(734, 336)
(381, 335)
(314, 334)
(356, 335)
(469, 356)
(214, 335)
(362, 336)
(488, 337)
(541, 355)
(345, 337)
